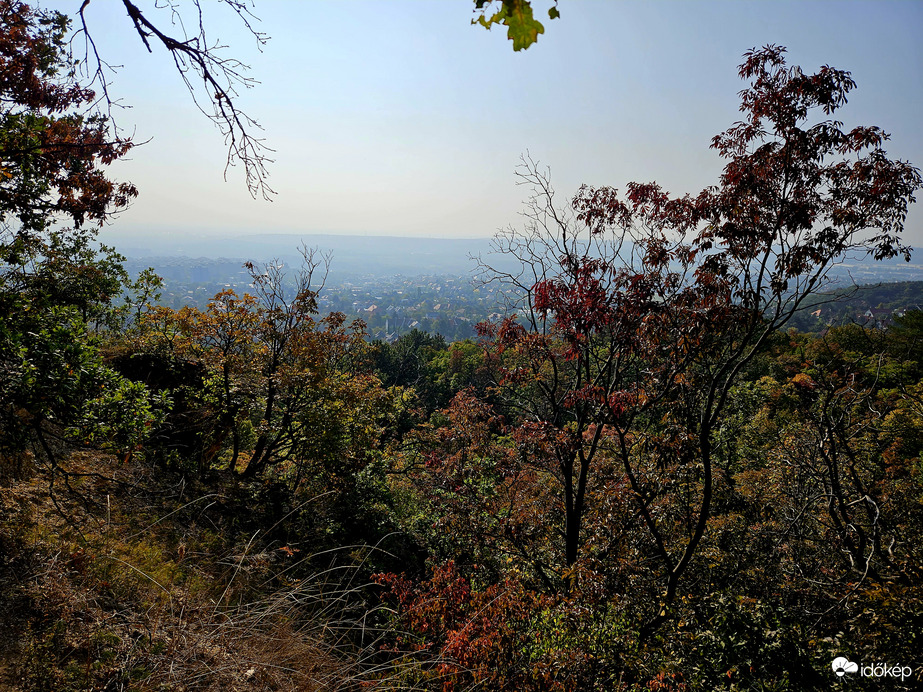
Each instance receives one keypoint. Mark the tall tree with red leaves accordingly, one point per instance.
(639, 311)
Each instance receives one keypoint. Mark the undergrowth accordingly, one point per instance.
(127, 579)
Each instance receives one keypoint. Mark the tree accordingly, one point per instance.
(313, 374)
(283, 391)
(52, 147)
(57, 292)
(639, 313)
(285, 323)
(59, 301)
(408, 362)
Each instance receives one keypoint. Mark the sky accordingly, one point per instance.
(401, 118)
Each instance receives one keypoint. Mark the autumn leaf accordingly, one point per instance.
(522, 27)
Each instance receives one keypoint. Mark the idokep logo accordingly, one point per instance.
(842, 665)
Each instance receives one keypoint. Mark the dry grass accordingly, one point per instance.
(110, 586)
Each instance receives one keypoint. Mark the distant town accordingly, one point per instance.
(452, 304)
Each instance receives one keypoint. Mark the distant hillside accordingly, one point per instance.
(182, 256)
(364, 256)
(196, 266)
(853, 304)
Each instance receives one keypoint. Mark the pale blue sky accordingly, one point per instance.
(400, 118)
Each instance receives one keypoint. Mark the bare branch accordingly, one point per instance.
(212, 79)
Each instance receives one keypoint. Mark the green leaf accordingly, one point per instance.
(496, 18)
(523, 28)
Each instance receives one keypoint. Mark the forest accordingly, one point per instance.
(641, 477)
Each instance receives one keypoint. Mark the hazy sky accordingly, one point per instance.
(400, 118)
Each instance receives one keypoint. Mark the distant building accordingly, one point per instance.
(877, 317)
